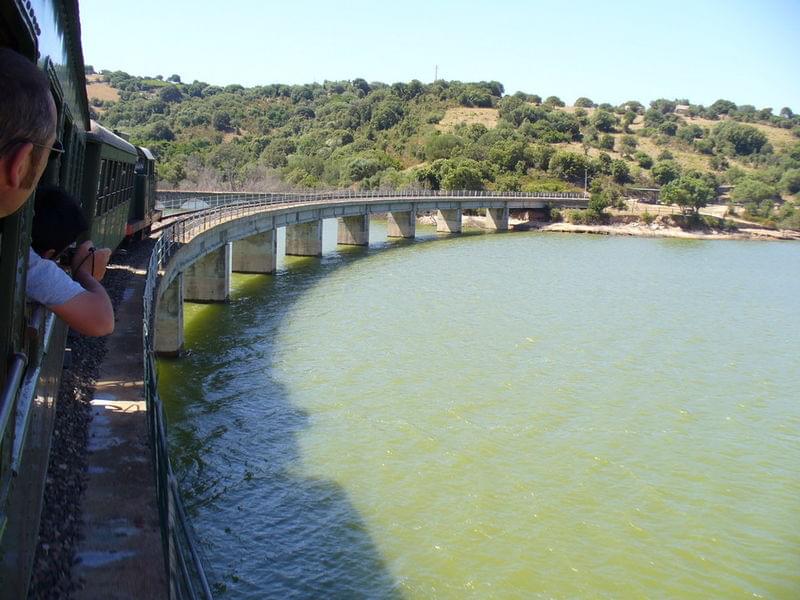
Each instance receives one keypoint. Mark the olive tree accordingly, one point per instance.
(689, 192)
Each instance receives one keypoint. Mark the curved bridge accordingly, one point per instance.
(193, 259)
(239, 235)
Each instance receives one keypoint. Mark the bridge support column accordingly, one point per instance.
(497, 219)
(256, 254)
(208, 279)
(169, 320)
(402, 224)
(448, 221)
(304, 239)
(353, 231)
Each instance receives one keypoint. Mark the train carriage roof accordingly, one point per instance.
(146, 152)
(105, 136)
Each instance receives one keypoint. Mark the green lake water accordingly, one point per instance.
(503, 416)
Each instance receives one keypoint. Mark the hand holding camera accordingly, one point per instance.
(91, 260)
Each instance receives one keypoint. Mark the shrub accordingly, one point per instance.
(603, 121)
(647, 217)
(753, 190)
(568, 166)
(666, 171)
(790, 182)
(575, 216)
(620, 171)
(738, 138)
(643, 159)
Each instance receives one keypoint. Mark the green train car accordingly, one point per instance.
(115, 182)
(118, 188)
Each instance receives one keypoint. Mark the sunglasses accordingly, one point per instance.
(56, 150)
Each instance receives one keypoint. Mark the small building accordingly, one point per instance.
(682, 109)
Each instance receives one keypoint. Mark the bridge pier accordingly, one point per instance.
(256, 254)
(304, 239)
(208, 279)
(353, 231)
(402, 224)
(497, 218)
(448, 221)
(169, 320)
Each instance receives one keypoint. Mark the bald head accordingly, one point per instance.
(27, 111)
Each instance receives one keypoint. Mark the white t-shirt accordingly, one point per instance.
(47, 284)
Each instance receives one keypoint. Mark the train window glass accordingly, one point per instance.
(101, 180)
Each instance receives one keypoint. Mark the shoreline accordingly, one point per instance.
(638, 229)
(661, 231)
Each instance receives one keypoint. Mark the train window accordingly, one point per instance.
(101, 178)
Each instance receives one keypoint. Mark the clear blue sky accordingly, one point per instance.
(747, 51)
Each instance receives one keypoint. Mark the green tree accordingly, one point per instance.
(170, 93)
(584, 102)
(643, 159)
(750, 189)
(627, 145)
(463, 177)
(632, 105)
(668, 128)
(663, 106)
(606, 141)
(604, 194)
(387, 114)
(507, 154)
(554, 101)
(603, 121)
(159, 131)
(688, 192)
(665, 171)
(738, 138)
(221, 121)
(722, 107)
(360, 168)
(790, 181)
(568, 166)
(620, 171)
(443, 145)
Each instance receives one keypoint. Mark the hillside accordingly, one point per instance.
(450, 135)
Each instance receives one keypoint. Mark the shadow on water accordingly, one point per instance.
(267, 529)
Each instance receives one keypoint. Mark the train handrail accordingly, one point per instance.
(27, 389)
(13, 382)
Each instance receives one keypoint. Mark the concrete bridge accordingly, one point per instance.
(196, 255)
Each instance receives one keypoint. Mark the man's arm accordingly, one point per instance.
(90, 312)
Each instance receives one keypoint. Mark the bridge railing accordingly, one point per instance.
(185, 570)
(203, 201)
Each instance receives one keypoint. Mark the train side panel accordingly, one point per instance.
(32, 339)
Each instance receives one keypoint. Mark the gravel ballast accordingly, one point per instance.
(60, 527)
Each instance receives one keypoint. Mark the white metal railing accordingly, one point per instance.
(226, 199)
